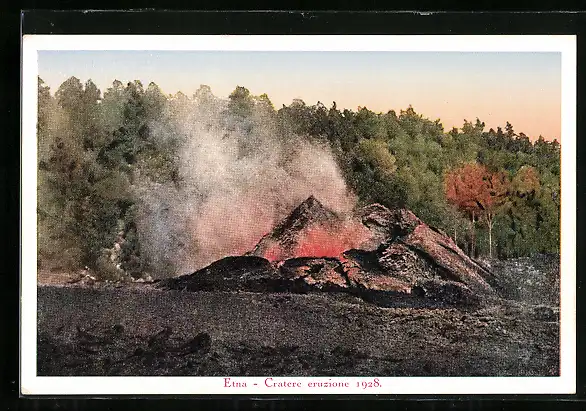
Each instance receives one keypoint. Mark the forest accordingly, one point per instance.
(174, 174)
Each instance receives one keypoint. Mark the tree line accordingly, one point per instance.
(495, 192)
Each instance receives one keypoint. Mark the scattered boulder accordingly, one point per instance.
(448, 292)
(390, 223)
(364, 271)
(544, 313)
(201, 343)
(325, 274)
(402, 262)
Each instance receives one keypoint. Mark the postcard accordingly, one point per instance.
(298, 215)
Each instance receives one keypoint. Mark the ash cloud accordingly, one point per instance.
(239, 177)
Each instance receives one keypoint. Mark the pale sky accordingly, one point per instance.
(522, 88)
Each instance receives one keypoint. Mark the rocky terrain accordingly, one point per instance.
(399, 258)
(378, 292)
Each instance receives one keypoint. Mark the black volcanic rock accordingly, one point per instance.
(325, 274)
(392, 223)
(255, 274)
(230, 273)
(403, 257)
(411, 251)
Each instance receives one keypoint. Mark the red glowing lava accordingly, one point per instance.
(274, 253)
(321, 241)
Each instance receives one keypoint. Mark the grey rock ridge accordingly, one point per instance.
(400, 258)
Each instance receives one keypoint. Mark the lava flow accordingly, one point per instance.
(321, 241)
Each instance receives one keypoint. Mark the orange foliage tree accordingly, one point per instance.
(494, 198)
(478, 192)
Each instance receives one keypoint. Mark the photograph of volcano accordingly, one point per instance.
(298, 213)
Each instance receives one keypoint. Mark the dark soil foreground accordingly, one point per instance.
(139, 330)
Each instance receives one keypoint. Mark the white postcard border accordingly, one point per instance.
(31, 384)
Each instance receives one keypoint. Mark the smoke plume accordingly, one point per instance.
(240, 176)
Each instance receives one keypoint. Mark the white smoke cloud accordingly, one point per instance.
(238, 181)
